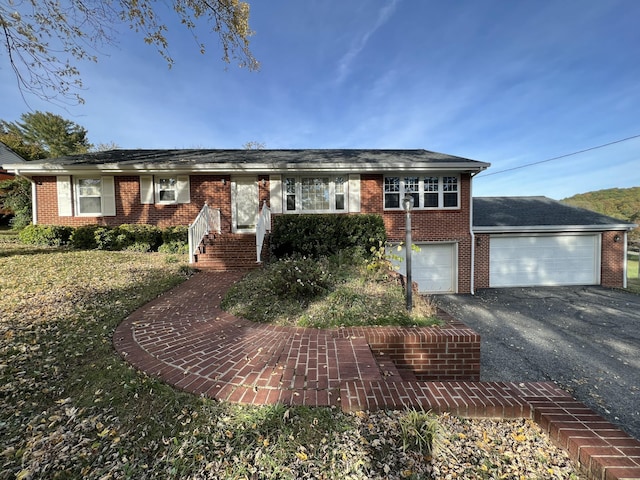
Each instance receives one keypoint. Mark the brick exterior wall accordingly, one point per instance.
(612, 269)
(203, 188)
(481, 274)
(426, 225)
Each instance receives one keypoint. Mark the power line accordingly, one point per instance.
(559, 157)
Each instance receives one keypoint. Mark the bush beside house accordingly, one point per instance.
(142, 238)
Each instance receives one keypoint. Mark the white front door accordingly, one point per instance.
(245, 203)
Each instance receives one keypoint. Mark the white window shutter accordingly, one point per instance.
(63, 185)
(108, 197)
(354, 192)
(275, 193)
(146, 189)
(184, 194)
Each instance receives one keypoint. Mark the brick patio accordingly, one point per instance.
(184, 338)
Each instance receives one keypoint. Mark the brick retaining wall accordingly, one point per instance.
(450, 352)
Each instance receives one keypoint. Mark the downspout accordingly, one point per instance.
(473, 237)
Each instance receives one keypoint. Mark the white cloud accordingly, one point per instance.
(358, 44)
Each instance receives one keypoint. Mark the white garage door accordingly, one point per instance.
(520, 261)
(433, 268)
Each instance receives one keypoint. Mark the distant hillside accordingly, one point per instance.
(622, 203)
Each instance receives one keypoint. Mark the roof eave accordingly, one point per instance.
(230, 168)
(553, 228)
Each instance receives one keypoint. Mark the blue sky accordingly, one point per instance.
(505, 82)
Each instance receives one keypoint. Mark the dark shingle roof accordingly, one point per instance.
(493, 213)
(200, 158)
(8, 156)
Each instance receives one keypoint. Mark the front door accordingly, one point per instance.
(245, 204)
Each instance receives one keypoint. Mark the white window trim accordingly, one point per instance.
(150, 190)
(107, 196)
(347, 185)
(421, 191)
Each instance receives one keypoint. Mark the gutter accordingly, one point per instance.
(555, 228)
(239, 168)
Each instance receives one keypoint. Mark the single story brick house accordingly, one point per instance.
(465, 243)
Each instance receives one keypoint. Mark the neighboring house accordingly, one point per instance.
(464, 243)
(7, 156)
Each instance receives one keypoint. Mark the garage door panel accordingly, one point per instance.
(544, 260)
(433, 267)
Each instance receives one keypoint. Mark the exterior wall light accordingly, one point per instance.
(407, 206)
(224, 181)
(616, 238)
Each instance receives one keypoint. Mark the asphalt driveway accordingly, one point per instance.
(585, 339)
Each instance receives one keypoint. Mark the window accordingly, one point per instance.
(89, 196)
(427, 192)
(164, 189)
(94, 196)
(315, 194)
(167, 189)
(392, 192)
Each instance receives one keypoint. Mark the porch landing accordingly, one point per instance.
(184, 338)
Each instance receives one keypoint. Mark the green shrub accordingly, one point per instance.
(324, 235)
(174, 247)
(52, 235)
(300, 278)
(179, 233)
(84, 238)
(106, 238)
(129, 235)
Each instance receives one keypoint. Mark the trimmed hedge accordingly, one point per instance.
(325, 235)
(51, 235)
(140, 238)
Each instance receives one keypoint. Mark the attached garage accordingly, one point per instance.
(434, 267)
(537, 241)
(537, 260)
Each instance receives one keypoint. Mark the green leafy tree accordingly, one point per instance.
(45, 39)
(38, 135)
(15, 196)
(49, 133)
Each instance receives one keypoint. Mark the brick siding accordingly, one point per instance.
(427, 225)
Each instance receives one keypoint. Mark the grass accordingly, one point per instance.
(70, 407)
(633, 281)
(324, 294)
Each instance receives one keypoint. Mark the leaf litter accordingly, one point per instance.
(71, 408)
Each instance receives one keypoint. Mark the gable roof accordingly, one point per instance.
(249, 161)
(538, 214)
(8, 156)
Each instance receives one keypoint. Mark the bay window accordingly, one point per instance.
(318, 193)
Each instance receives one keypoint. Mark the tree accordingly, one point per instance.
(45, 132)
(45, 38)
(39, 135)
(15, 197)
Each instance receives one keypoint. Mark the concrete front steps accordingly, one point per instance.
(227, 252)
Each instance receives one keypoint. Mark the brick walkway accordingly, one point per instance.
(184, 338)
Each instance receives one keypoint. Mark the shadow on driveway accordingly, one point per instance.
(585, 339)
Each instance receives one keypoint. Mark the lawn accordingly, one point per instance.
(633, 281)
(70, 407)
